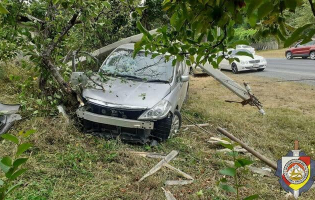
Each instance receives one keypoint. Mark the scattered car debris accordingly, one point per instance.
(249, 149)
(8, 116)
(168, 194)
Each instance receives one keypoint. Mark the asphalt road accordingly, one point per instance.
(295, 69)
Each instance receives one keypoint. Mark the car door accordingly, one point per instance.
(182, 71)
(301, 49)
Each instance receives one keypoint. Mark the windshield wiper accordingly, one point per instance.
(128, 76)
(158, 80)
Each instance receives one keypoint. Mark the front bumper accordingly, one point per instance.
(114, 121)
(252, 66)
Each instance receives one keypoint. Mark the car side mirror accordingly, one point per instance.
(184, 78)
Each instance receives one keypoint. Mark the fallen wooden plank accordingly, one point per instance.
(158, 166)
(178, 171)
(148, 154)
(249, 149)
(168, 194)
(178, 182)
(193, 125)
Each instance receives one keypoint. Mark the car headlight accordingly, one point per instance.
(244, 62)
(159, 111)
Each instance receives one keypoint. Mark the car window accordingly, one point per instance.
(121, 62)
(234, 52)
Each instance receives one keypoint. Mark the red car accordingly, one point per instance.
(302, 50)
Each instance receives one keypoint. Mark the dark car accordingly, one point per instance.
(302, 50)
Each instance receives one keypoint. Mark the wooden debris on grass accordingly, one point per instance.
(178, 171)
(236, 149)
(249, 149)
(148, 154)
(216, 140)
(261, 171)
(178, 182)
(158, 166)
(168, 194)
(193, 125)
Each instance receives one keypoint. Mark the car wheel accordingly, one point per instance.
(260, 70)
(165, 128)
(312, 55)
(176, 124)
(234, 68)
(288, 55)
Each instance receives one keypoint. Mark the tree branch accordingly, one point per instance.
(66, 29)
(312, 7)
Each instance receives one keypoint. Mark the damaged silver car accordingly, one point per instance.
(138, 99)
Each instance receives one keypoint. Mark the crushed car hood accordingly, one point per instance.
(127, 93)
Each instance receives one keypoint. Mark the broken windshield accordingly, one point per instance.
(121, 63)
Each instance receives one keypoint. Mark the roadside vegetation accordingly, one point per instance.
(277, 53)
(66, 163)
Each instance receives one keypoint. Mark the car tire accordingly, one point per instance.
(288, 55)
(234, 68)
(164, 128)
(260, 70)
(312, 55)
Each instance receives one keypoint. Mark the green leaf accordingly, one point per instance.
(1, 182)
(253, 5)
(144, 31)
(291, 4)
(22, 148)
(19, 162)
(265, 9)
(3, 10)
(55, 2)
(243, 53)
(29, 132)
(11, 138)
(227, 188)
(243, 162)
(7, 161)
(4, 167)
(296, 35)
(255, 196)
(11, 189)
(17, 174)
(228, 171)
(228, 146)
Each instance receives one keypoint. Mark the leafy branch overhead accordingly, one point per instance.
(200, 29)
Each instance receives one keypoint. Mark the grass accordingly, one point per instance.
(66, 164)
(278, 53)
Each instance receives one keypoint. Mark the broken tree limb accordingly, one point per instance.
(178, 182)
(178, 171)
(168, 194)
(158, 166)
(249, 149)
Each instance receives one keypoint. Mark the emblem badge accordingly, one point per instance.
(296, 172)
